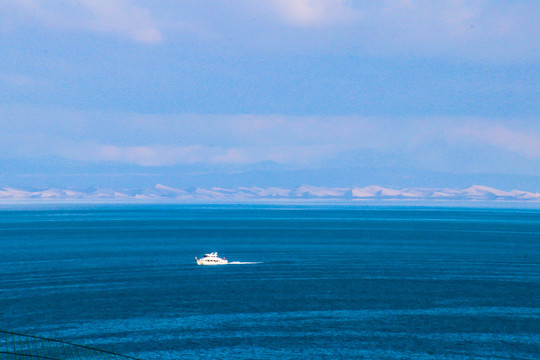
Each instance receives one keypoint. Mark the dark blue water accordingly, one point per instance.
(331, 282)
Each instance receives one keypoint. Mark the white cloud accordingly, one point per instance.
(520, 142)
(314, 12)
(120, 17)
(161, 155)
(166, 140)
(477, 29)
(158, 155)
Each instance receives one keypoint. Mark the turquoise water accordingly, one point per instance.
(329, 282)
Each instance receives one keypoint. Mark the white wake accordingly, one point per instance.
(242, 262)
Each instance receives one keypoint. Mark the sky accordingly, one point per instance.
(400, 93)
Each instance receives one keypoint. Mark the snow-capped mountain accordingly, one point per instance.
(300, 193)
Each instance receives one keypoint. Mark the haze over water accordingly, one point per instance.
(324, 282)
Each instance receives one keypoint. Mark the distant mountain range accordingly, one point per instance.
(246, 194)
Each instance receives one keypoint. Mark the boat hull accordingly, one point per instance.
(211, 261)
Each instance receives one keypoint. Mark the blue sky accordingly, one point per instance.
(269, 92)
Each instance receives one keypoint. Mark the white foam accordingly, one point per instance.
(242, 262)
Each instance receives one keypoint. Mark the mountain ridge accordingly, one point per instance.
(243, 193)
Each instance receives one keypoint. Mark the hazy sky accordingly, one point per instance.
(167, 87)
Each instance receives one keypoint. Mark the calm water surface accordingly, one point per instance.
(329, 283)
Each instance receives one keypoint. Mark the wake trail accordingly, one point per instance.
(243, 262)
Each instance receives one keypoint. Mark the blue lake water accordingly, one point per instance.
(329, 283)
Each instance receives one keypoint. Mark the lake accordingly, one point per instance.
(326, 282)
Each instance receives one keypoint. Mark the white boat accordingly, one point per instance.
(211, 259)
